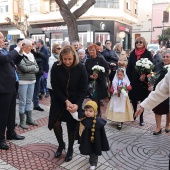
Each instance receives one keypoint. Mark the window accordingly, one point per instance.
(128, 5)
(107, 4)
(136, 8)
(38, 36)
(102, 37)
(34, 6)
(83, 39)
(53, 6)
(3, 6)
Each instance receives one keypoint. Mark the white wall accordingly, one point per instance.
(143, 26)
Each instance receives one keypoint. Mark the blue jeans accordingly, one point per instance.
(25, 93)
(36, 92)
(43, 85)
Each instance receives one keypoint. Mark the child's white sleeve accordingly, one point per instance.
(75, 116)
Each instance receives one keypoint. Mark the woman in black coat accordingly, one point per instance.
(69, 84)
(162, 108)
(100, 78)
(138, 82)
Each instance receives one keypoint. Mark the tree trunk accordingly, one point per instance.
(71, 24)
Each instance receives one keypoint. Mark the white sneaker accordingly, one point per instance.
(92, 167)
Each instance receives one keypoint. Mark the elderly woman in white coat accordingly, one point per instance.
(56, 49)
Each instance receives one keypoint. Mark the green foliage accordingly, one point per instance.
(166, 35)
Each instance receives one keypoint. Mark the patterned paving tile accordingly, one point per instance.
(41, 122)
(5, 166)
(134, 147)
(46, 151)
(23, 159)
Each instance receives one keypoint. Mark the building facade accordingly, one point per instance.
(158, 24)
(104, 20)
(143, 26)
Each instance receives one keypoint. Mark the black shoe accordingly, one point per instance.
(119, 126)
(40, 96)
(15, 137)
(47, 95)
(167, 130)
(3, 145)
(157, 133)
(141, 124)
(69, 155)
(59, 150)
(39, 108)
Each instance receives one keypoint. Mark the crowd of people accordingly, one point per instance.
(70, 75)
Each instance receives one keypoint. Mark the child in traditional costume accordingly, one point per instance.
(119, 108)
(92, 136)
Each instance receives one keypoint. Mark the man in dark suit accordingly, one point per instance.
(43, 84)
(8, 79)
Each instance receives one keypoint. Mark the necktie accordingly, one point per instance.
(5, 53)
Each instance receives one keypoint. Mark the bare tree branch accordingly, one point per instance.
(84, 8)
(71, 17)
(61, 4)
(71, 3)
(22, 26)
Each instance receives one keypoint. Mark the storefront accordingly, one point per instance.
(10, 33)
(89, 31)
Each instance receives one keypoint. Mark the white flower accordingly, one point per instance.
(98, 68)
(123, 91)
(147, 66)
(167, 67)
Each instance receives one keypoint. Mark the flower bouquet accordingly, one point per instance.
(167, 67)
(144, 66)
(92, 85)
(97, 69)
(122, 90)
(152, 77)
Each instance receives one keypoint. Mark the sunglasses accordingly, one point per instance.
(138, 42)
(166, 56)
(58, 48)
(6, 44)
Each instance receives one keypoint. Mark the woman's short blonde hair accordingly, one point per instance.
(67, 50)
(115, 48)
(141, 39)
(54, 47)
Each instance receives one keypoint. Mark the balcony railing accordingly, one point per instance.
(106, 4)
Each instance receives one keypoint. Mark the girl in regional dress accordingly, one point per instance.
(119, 108)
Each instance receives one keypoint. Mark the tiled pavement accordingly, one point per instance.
(132, 148)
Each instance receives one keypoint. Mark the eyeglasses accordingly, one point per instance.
(58, 48)
(6, 44)
(108, 43)
(166, 56)
(138, 42)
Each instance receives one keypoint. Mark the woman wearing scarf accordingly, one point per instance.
(138, 82)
